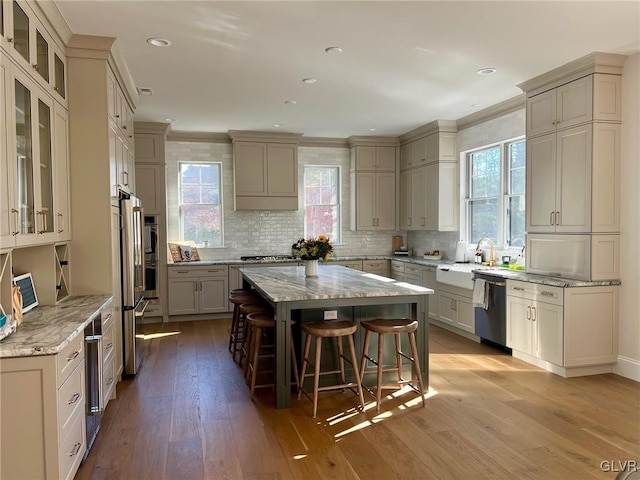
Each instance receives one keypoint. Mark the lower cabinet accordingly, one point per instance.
(198, 289)
(355, 264)
(397, 270)
(379, 267)
(42, 421)
(569, 331)
(429, 281)
(456, 308)
(110, 337)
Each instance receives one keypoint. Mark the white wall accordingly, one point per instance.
(267, 232)
(629, 345)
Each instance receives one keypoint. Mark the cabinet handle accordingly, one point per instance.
(73, 356)
(60, 219)
(10, 39)
(215, 271)
(528, 312)
(182, 271)
(74, 399)
(551, 218)
(16, 231)
(110, 381)
(109, 315)
(535, 314)
(40, 214)
(547, 294)
(557, 218)
(76, 449)
(108, 346)
(125, 178)
(520, 289)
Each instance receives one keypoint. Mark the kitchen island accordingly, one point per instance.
(336, 292)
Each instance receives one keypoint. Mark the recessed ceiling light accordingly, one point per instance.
(487, 71)
(146, 91)
(158, 42)
(475, 105)
(372, 129)
(278, 125)
(309, 80)
(169, 119)
(290, 102)
(333, 50)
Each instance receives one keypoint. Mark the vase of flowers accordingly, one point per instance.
(311, 250)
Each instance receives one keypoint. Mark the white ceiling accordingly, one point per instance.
(232, 65)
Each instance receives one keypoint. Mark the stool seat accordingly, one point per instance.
(390, 325)
(337, 329)
(237, 332)
(330, 329)
(395, 327)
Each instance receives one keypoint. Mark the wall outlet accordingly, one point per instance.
(330, 314)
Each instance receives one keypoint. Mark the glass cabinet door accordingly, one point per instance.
(42, 56)
(45, 223)
(24, 159)
(20, 31)
(58, 84)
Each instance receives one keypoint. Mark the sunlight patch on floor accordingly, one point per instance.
(151, 336)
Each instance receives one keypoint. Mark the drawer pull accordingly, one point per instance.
(520, 289)
(108, 316)
(182, 271)
(215, 271)
(108, 345)
(76, 449)
(547, 294)
(74, 399)
(110, 381)
(73, 356)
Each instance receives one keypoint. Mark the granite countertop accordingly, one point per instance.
(46, 330)
(289, 284)
(237, 261)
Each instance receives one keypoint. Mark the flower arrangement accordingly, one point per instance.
(312, 249)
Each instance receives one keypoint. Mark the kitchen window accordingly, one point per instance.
(495, 193)
(200, 202)
(322, 202)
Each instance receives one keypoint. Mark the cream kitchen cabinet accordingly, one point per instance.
(43, 398)
(374, 201)
(62, 200)
(111, 345)
(569, 331)
(265, 171)
(28, 42)
(354, 264)
(397, 270)
(535, 320)
(429, 281)
(456, 308)
(591, 98)
(573, 180)
(150, 188)
(379, 267)
(376, 158)
(441, 195)
(413, 192)
(198, 289)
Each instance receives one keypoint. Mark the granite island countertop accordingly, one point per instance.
(46, 330)
(289, 284)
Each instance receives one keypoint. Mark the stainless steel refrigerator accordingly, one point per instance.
(132, 247)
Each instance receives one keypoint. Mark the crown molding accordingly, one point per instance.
(156, 128)
(437, 126)
(325, 142)
(494, 111)
(60, 30)
(359, 141)
(199, 137)
(251, 136)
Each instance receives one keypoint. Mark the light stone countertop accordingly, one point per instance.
(46, 330)
(289, 284)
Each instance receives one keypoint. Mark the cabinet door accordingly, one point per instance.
(150, 188)
(548, 324)
(541, 184)
(8, 210)
(282, 170)
(448, 307)
(447, 212)
(418, 198)
(466, 316)
(365, 196)
(386, 201)
(405, 200)
(365, 158)
(519, 334)
(115, 287)
(250, 168)
(419, 151)
(61, 156)
(541, 114)
(573, 180)
(406, 155)
(183, 296)
(429, 281)
(574, 102)
(386, 158)
(114, 153)
(214, 294)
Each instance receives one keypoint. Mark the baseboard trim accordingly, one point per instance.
(628, 368)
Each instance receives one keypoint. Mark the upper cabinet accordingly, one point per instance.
(428, 179)
(573, 167)
(265, 170)
(373, 183)
(34, 47)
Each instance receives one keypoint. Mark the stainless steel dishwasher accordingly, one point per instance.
(491, 323)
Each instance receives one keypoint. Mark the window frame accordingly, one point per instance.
(221, 196)
(338, 169)
(503, 195)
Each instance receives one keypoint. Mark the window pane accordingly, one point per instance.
(201, 222)
(190, 194)
(517, 171)
(483, 219)
(485, 173)
(322, 202)
(209, 174)
(516, 213)
(322, 220)
(210, 194)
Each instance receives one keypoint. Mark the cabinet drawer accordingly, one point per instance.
(397, 267)
(412, 270)
(72, 447)
(107, 315)
(355, 264)
(108, 379)
(108, 343)
(199, 271)
(375, 265)
(535, 292)
(71, 398)
(69, 358)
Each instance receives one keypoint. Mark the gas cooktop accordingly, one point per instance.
(267, 258)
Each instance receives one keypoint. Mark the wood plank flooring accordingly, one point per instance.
(187, 415)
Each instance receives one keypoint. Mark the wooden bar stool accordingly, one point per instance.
(394, 326)
(334, 329)
(237, 321)
(244, 309)
(257, 323)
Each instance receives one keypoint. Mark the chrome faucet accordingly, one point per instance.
(492, 258)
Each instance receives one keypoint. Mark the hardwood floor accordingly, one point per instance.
(187, 415)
